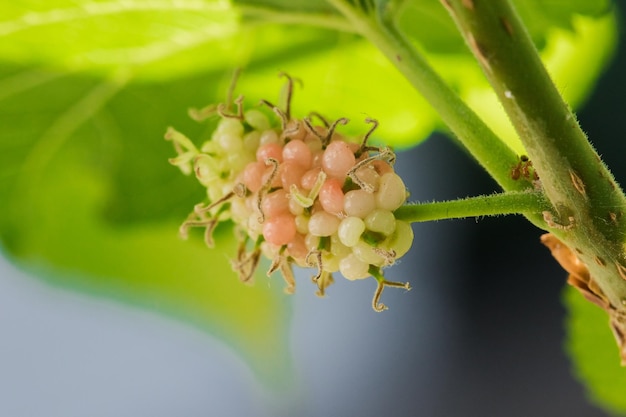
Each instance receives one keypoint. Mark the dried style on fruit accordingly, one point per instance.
(298, 193)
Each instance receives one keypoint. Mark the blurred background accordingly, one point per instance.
(480, 334)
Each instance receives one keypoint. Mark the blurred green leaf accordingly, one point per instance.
(343, 76)
(78, 152)
(542, 15)
(160, 36)
(596, 358)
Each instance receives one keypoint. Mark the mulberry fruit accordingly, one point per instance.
(298, 192)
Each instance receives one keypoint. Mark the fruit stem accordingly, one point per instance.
(512, 202)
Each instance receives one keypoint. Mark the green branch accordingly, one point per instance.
(487, 205)
(588, 205)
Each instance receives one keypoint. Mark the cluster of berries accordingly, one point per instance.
(298, 194)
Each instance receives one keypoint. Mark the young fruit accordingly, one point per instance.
(298, 193)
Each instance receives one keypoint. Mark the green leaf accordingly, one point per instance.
(541, 15)
(343, 76)
(592, 347)
(162, 37)
(72, 148)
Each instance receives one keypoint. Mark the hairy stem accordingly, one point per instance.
(487, 205)
(588, 206)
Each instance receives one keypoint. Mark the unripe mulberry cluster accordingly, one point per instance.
(299, 193)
